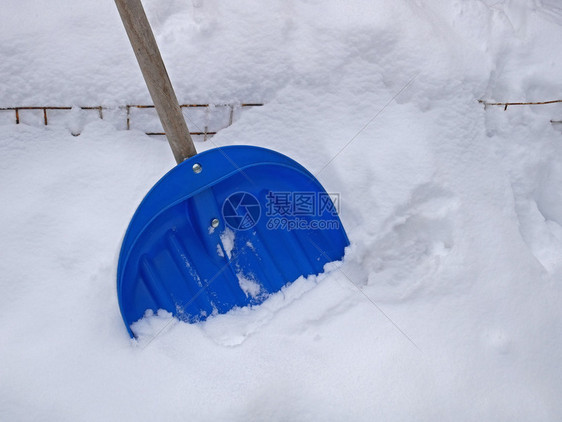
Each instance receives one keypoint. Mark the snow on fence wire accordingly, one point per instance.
(507, 104)
(206, 119)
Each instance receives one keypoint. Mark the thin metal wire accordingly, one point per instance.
(365, 125)
(360, 290)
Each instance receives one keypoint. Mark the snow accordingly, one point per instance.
(447, 304)
(249, 287)
(226, 243)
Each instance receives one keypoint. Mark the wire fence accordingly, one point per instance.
(213, 117)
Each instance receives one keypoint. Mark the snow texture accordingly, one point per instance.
(447, 304)
(249, 286)
(227, 243)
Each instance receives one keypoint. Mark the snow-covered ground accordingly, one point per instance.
(448, 303)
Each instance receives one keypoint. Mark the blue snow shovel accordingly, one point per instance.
(223, 229)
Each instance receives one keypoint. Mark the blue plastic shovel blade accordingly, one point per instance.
(225, 229)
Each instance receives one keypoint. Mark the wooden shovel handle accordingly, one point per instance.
(156, 78)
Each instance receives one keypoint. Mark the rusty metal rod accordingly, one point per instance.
(122, 107)
(191, 133)
(127, 107)
(507, 104)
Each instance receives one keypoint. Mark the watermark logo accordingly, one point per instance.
(284, 210)
(302, 211)
(241, 211)
(303, 204)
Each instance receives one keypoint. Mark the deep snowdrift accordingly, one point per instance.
(447, 305)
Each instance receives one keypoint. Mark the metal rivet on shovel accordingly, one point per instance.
(169, 262)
